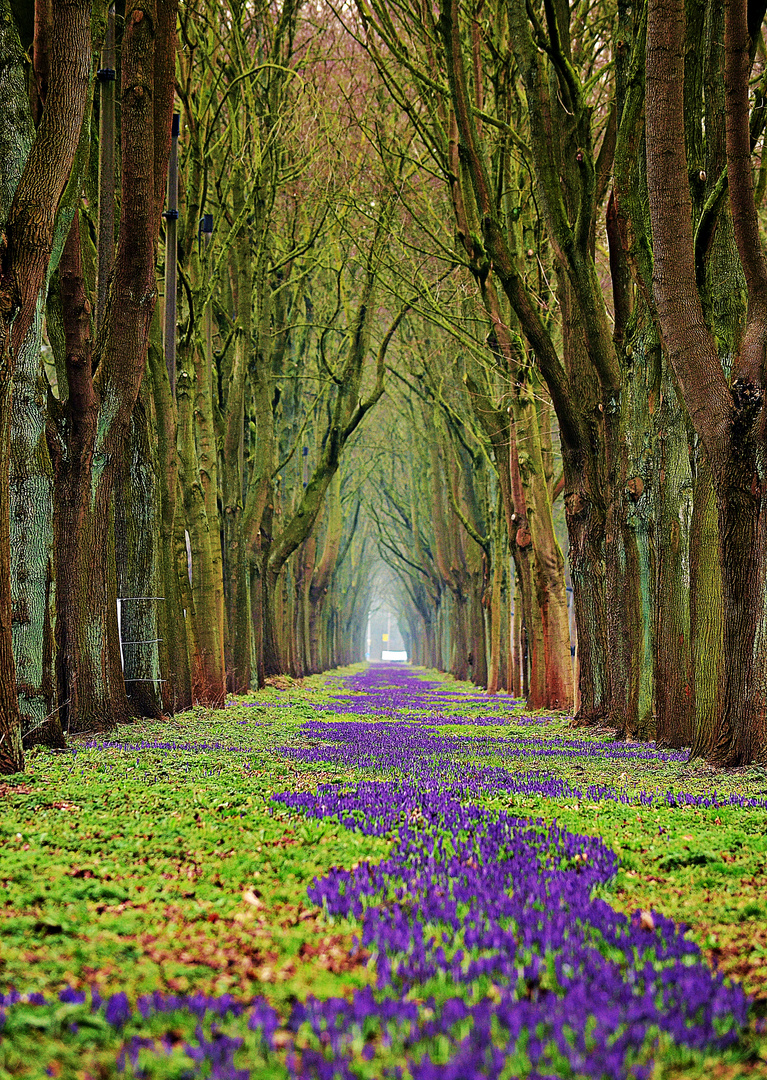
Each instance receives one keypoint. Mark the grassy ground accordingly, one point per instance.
(157, 862)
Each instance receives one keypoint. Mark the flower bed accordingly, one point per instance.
(493, 952)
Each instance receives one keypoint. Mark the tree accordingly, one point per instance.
(728, 413)
(91, 686)
(36, 174)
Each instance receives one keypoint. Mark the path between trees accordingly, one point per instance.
(376, 874)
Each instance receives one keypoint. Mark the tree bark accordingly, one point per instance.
(208, 657)
(320, 579)
(137, 525)
(62, 54)
(94, 684)
(174, 650)
(237, 572)
(730, 418)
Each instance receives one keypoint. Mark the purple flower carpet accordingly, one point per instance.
(494, 953)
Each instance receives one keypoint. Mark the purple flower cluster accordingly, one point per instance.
(501, 911)
(413, 749)
(213, 1054)
(394, 692)
(380, 741)
(479, 900)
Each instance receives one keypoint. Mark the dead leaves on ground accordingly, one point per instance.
(740, 953)
(332, 954)
(737, 949)
(255, 944)
(7, 790)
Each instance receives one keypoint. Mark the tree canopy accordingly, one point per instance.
(460, 304)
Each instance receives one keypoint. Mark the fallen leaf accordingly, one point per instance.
(646, 920)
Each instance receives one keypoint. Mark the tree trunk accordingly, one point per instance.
(137, 521)
(553, 686)
(728, 414)
(16, 134)
(92, 681)
(640, 485)
(34, 174)
(320, 578)
(706, 610)
(32, 582)
(181, 551)
(495, 675)
(237, 574)
(73, 470)
(11, 752)
(673, 655)
(477, 639)
(459, 640)
(171, 624)
(208, 657)
(585, 527)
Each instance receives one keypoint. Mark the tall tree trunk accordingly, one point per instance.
(237, 573)
(477, 638)
(208, 656)
(171, 625)
(73, 481)
(548, 566)
(553, 685)
(148, 51)
(728, 415)
(34, 176)
(320, 578)
(32, 581)
(498, 647)
(16, 134)
(673, 646)
(706, 610)
(137, 521)
(197, 440)
(11, 753)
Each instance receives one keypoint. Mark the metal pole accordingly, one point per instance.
(171, 265)
(106, 214)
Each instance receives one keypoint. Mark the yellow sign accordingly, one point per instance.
(386, 637)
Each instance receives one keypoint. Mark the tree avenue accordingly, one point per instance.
(304, 305)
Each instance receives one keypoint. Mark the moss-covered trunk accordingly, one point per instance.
(706, 609)
(171, 625)
(236, 566)
(34, 217)
(11, 752)
(673, 661)
(31, 535)
(727, 409)
(137, 521)
(554, 685)
(322, 572)
(496, 676)
(208, 655)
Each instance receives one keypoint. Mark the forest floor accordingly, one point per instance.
(380, 873)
